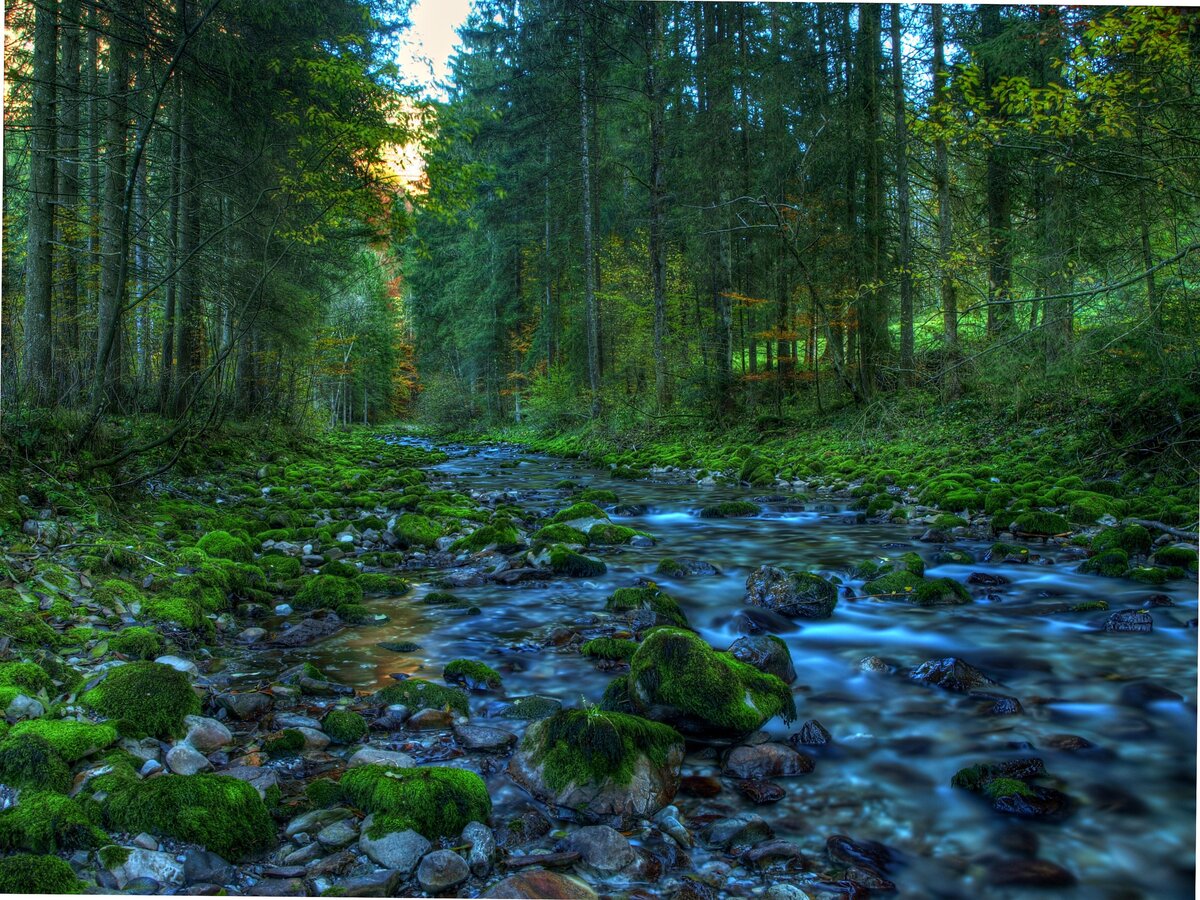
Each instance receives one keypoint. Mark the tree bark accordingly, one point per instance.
(589, 254)
(998, 192)
(941, 178)
(658, 254)
(904, 251)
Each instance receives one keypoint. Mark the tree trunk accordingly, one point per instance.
(167, 366)
(904, 255)
(190, 321)
(589, 254)
(658, 253)
(66, 354)
(874, 315)
(39, 277)
(941, 178)
(998, 191)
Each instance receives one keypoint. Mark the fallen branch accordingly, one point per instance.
(1174, 532)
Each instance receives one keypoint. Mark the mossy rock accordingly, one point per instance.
(666, 610)
(344, 726)
(223, 545)
(280, 568)
(220, 813)
(946, 521)
(607, 534)
(1178, 557)
(288, 742)
(560, 533)
(502, 536)
(415, 530)
(433, 801)
(48, 822)
(1090, 606)
(730, 509)
(28, 676)
(670, 567)
(471, 674)
(802, 595)
(328, 592)
(1154, 576)
(183, 612)
(607, 648)
(677, 678)
(895, 584)
(598, 495)
(27, 874)
(70, 739)
(30, 762)
(578, 512)
(137, 641)
(418, 694)
(338, 568)
(1133, 539)
(1002, 552)
(380, 583)
(565, 561)
(940, 592)
(144, 699)
(1109, 563)
(1041, 523)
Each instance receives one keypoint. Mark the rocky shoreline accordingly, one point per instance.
(136, 758)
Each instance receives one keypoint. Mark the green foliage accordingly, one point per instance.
(26, 874)
(418, 694)
(223, 545)
(144, 698)
(137, 642)
(19, 621)
(590, 746)
(223, 814)
(433, 801)
(69, 739)
(344, 726)
(280, 568)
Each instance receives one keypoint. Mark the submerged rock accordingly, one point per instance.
(950, 674)
(768, 760)
(540, 884)
(766, 653)
(795, 594)
(1130, 621)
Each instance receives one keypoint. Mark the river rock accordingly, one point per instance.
(179, 664)
(337, 835)
(767, 760)
(24, 707)
(202, 866)
(441, 871)
(484, 738)
(1129, 621)
(602, 850)
(431, 720)
(760, 792)
(794, 594)
(766, 653)
(482, 842)
(738, 833)
(282, 720)
(183, 759)
(315, 820)
(260, 778)
(1037, 873)
(136, 863)
(308, 631)
(812, 733)
(383, 883)
(540, 884)
(207, 734)
(251, 635)
(366, 756)
(785, 892)
(248, 707)
(950, 674)
(400, 850)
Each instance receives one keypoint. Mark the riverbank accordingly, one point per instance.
(354, 656)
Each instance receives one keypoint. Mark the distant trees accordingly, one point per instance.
(192, 183)
(781, 205)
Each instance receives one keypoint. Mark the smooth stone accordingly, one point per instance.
(400, 850)
(259, 777)
(484, 738)
(603, 850)
(315, 820)
(308, 631)
(153, 864)
(338, 835)
(145, 841)
(431, 720)
(283, 609)
(383, 883)
(367, 756)
(483, 848)
(277, 887)
(765, 653)
(179, 664)
(251, 635)
(283, 720)
(314, 738)
(207, 734)
(540, 884)
(149, 767)
(183, 759)
(247, 706)
(442, 870)
(769, 760)
(785, 892)
(738, 833)
(202, 866)
(23, 707)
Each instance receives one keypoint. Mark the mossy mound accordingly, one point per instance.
(344, 726)
(223, 545)
(1002, 552)
(137, 641)
(1133, 539)
(590, 746)
(418, 694)
(1109, 563)
(606, 534)
(144, 699)
(433, 801)
(47, 822)
(1041, 523)
(26, 874)
(677, 678)
(29, 677)
(894, 584)
(184, 613)
(502, 536)
(940, 592)
(415, 530)
(288, 742)
(30, 762)
(670, 567)
(1180, 557)
(380, 583)
(339, 569)
(565, 561)
(598, 495)
(666, 610)
(559, 533)
(609, 649)
(471, 674)
(328, 592)
(730, 509)
(19, 620)
(70, 739)
(223, 814)
(578, 511)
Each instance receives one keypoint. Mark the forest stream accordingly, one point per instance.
(1112, 715)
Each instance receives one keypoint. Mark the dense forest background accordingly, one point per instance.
(645, 215)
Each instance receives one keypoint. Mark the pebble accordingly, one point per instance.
(442, 870)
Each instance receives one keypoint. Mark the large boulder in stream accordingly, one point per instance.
(677, 678)
(599, 767)
(799, 595)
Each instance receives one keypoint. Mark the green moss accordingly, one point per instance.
(503, 536)
(442, 598)
(598, 495)
(184, 612)
(609, 648)
(418, 694)
(70, 739)
(1090, 606)
(47, 822)
(577, 511)
(564, 561)
(30, 677)
(670, 567)
(25, 874)
(468, 671)
(433, 801)
(223, 545)
(414, 530)
(666, 610)
(344, 726)
(590, 746)
(945, 522)
(1001, 551)
(223, 814)
(678, 668)
(1182, 557)
(144, 699)
(1041, 523)
(1109, 563)
(1150, 575)
(607, 534)
(328, 592)
(730, 509)
(1133, 539)
(339, 569)
(381, 583)
(323, 792)
(115, 592)
(1006, 787)
(913, 563)
(281, 568)
(30, 762)
(19, 621)
(137, 642)
(288, 742)
(940, 592)
(558, 534)
(894, 584)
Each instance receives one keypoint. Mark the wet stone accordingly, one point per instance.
(950, 674)
(761, 792)
(812, 733)
(1038, 873)
(767, 760)
(441, 871)
(384, 883)
(484, 738)
(738, 833)
(1129, 621)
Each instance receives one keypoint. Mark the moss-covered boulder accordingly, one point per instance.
(502, 536)
(30, 762)
(662, 609)
(677, 678)
(1042, 524)
(559, 533)
(414, 530)
(418, 694)
(137, 642)
(894, 584)
(70, 739)
(795, 594)
(1109, 563)
(144, 699)
(471, 674)
(599, 767)
(1178, 557)
(433, 801)
(222, 814)
(609, 649)
(1134, 540)
(579, 512)
(730, 509)
(566, 562)
(21, 623)
(223, 545)
(606, 534)
(328, 592)
(28, 874)
(344, 726)
(47, 822)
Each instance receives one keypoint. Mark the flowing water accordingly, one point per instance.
(896, 744)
